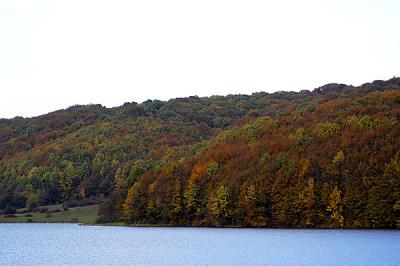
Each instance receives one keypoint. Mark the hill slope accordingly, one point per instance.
(327, 158)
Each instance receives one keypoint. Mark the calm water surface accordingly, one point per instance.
(69, 244)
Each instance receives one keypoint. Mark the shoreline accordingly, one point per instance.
(117, 224)
(238, 227)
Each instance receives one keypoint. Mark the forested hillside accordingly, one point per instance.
(326, 158)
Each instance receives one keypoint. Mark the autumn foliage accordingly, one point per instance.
(326, 158)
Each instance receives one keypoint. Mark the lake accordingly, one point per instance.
(70, 244)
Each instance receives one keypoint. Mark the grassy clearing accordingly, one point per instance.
(85, 215)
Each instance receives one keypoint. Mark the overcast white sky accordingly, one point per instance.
(54, 54)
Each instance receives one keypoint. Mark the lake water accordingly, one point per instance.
(69, 244)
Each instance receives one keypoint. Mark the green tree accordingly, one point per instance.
(177, 202)
(190, 198)
(384, 195)
(220, 206)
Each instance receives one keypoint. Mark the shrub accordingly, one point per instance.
(44, 210)
(70, 204)
(10, 210)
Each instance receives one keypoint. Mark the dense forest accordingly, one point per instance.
(323, 158)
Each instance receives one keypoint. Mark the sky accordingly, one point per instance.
(54, 54)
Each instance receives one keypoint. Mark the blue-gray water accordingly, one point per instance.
(69, 244)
